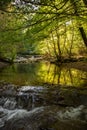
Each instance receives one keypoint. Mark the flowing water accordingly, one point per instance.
(42, 96)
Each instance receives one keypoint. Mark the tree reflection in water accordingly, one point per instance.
(41, 73)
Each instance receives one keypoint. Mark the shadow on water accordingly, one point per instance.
(50, 98)
(43, 73)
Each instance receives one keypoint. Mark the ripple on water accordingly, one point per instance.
(31, 88)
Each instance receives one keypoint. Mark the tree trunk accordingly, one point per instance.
(81, 29)
(83, 34)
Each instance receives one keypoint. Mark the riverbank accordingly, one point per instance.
(80, 65)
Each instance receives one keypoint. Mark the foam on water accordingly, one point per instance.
(66, 114)
(6, 115)
(32, 88)
(73, 113)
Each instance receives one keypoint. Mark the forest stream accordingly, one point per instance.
(42, 96)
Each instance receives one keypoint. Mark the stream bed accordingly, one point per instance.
(42, 96)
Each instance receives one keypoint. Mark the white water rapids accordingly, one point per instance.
(21, 113)
(78, 113)
(6, 115)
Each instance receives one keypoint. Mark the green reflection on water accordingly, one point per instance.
(40, 73)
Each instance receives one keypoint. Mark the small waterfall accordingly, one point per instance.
(31, 88)
(10, 104)
(28, 95)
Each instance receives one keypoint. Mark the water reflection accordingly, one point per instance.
(43, 73)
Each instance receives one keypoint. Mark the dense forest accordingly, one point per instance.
(54, 28)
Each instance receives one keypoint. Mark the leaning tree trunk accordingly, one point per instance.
(81, 29)
(83, 34)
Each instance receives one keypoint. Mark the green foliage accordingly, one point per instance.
(34, 26)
